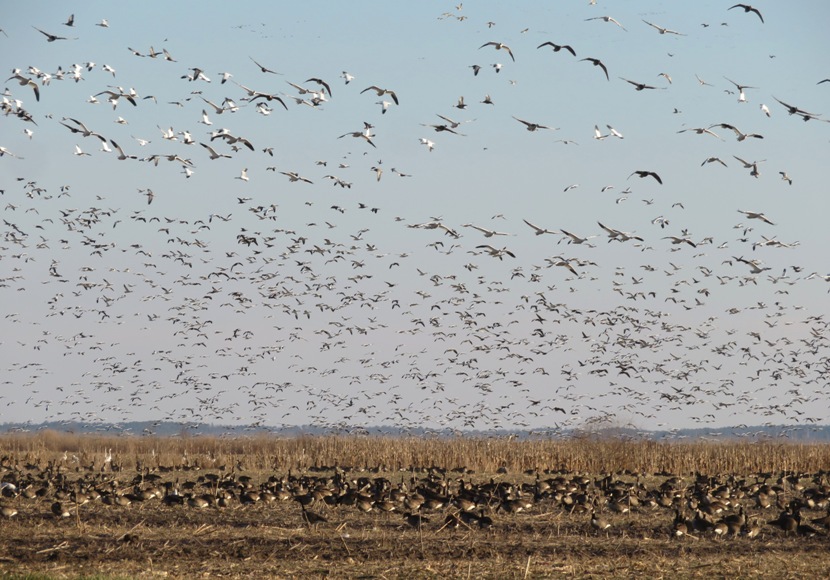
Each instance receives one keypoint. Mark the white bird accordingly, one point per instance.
(380, 92)
(537, 230)
(614, 132)
(598, 135)
(4, 151)
(741, 94)
(752, 166)
(499, 46)
(347, 77)
(497, 252)
(738, 134)
(701, 131)
(575, 239)
(619, 235)
(103, 23)
(244, 175)
(121, 155)
(765, 110)
(213, 153)
(205, 119)
(25, 82)
(79, 152)
(424, 141)
(662, 30)
(785, 177)
(753, 215)
(293, 176)
(487, 233)
(606, 19)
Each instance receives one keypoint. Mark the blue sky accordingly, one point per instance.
(116, 310)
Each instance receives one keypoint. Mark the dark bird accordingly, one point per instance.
(50, 37)
(747, 8)
(263, 69)
(320, 82)
(641, 174)
(597, 62)
(532, 126)
(640, 86)
(70, 21)
(557, 47)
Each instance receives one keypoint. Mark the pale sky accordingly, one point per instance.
(278, 302)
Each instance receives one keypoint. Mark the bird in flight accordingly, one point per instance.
(640, 86)
(738, 134)
(380, 92)
(641, 174)
(532, 126)
(662, 30)
(606, 19)
(741, 95)
(51, 37)
(792, 110)
(597, 62)
(754, 215)
(537, 230)
(747, 8)
(263, 69)
(499, 46)
(557, 47)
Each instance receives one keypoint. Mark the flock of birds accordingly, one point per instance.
(434, 499)
(309, 301)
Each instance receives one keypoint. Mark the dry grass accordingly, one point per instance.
(584, 455)
(151, 540)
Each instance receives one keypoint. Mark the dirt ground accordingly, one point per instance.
(271, 539)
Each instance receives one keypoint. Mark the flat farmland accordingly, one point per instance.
(204, 507)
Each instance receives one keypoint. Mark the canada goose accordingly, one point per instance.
(312, 518)
(557, 47)
(8, 512)
(597, 62)
(598, 522)
(60, 511)
(415, 520)
(533, 126)
(747, 9)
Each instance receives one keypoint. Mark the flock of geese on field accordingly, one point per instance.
(436, 499)
(315, 305)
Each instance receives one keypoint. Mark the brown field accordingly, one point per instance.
(538, 495)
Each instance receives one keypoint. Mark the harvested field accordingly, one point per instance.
(262, 508)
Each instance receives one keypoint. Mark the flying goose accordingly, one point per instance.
(597, 62)
(662, 30)
(740, 136)
(213, 153)
(533, 126)
(606, 19)
(499, 46)
(747, 8)
(537, 230)
(754, 215)
(497, 252)
(380, 92)
(641, 174)
(263, 69)
(487, 233)
(557, 47)
(25, 82)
